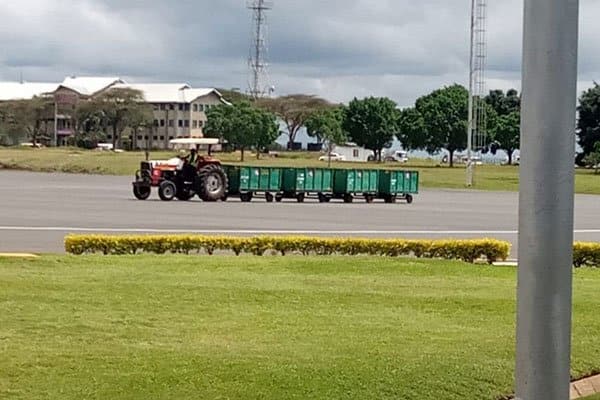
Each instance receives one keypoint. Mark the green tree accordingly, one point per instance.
(120, 107)
(371, 123)
(445, 115)
(412, 131)
(507, 133)
(593, 158)
(25, 118)
(588, 124)
(242, 125)
(504, 104)
(294, 110)
(327, 126)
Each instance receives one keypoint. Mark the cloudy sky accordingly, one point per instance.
(337, 49)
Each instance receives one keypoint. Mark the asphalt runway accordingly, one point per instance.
(37, 210)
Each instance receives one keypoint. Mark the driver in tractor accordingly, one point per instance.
(189, 166)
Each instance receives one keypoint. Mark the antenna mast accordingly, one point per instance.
(258, 85)
(477, 127)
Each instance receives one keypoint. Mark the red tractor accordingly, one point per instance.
(176, 178)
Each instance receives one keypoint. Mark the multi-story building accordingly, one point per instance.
(179, 111)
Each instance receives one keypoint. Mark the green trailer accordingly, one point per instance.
(299, 183)
(394, 184)
(347, 183)
(247, 181)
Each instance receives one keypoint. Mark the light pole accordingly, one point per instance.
(544, 296)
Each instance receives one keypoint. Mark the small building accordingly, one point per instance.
(354, 153)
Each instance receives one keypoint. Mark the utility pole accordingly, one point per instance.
(257, 62)
(544, 294)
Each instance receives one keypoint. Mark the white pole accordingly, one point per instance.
(544, 296)
(470, 124)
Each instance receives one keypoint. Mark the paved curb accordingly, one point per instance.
(18, 255)
(585, 387)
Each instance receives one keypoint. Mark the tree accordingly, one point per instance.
(242, 125)
(294, 110)
(588, 124)
(327, 125)
(504, 104)
(412, 131)
(234, 96)
(593, 159)
(445, 115)
(25, 118)
(371, 123)
(119, 107)
(508, 133)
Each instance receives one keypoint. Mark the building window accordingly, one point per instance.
(200, 107)
(156, 122)
(180, 107)
(195, 107)
(155, 106)
(171, 106)
(163, 107)
(187, 107)
(187, 123)
(162, 138)
(171, 123)
(155, 137)
(200, 124)
(194, 124)
(162, 122)
(180, 124)
(109, 136)
(139, 138)
(355, 153)
(170, 137)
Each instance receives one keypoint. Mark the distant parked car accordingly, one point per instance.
(397, 156)
(334, 157)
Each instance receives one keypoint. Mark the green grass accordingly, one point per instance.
(432, 175)
(595, 397)
(172, 327)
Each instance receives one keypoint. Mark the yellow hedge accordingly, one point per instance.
(466, 250)
(586, 254)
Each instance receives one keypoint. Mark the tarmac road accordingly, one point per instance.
(37, 210)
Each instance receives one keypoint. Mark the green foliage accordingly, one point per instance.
(504, 104)
(413, 132)
(372, 123)
(593, 159)
(242, 125)
(465, 250)
(326, 125)
(21, 119)
(294, 110)
(508, 133)
(588, 124)
(445, 114)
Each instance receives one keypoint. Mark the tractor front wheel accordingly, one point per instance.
(141, 192)
(167, 191)
(213, 183)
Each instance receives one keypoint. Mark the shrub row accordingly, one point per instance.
(466, 250)
(586, 255)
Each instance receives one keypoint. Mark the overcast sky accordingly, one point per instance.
(337, 49)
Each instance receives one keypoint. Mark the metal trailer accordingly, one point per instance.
(248, 181)
(394, 184)
(298, 183)
(348, 183)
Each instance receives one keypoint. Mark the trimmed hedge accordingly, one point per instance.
(586, 254)
(465, 250)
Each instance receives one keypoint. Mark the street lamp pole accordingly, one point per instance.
(544, 297)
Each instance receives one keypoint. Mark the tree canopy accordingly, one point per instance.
(371, 123)
(327, 126)
(242, 125)
(294, 110)
(25, 118)
(588, 124)
(507, 133)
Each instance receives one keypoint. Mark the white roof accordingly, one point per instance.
(195, 141)
(89, 85)
(24, 91)
(168, 92)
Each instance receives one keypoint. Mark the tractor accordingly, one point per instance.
(175, 178)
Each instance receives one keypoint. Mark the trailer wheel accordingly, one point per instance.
(369, 198)
(141, 192)
(322, 198)
(348, 198)
(246, 197)
(278, 198)
(167, 191)
(300, 197)
(409, 198)
(213, 182)
(269, 197)
(390, 198)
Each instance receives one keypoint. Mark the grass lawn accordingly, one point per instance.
(488, 177)
(177, 327)
(595, 397)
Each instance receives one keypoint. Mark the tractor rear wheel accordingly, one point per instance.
(167, 191)
(141, 192)
(213, 183)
